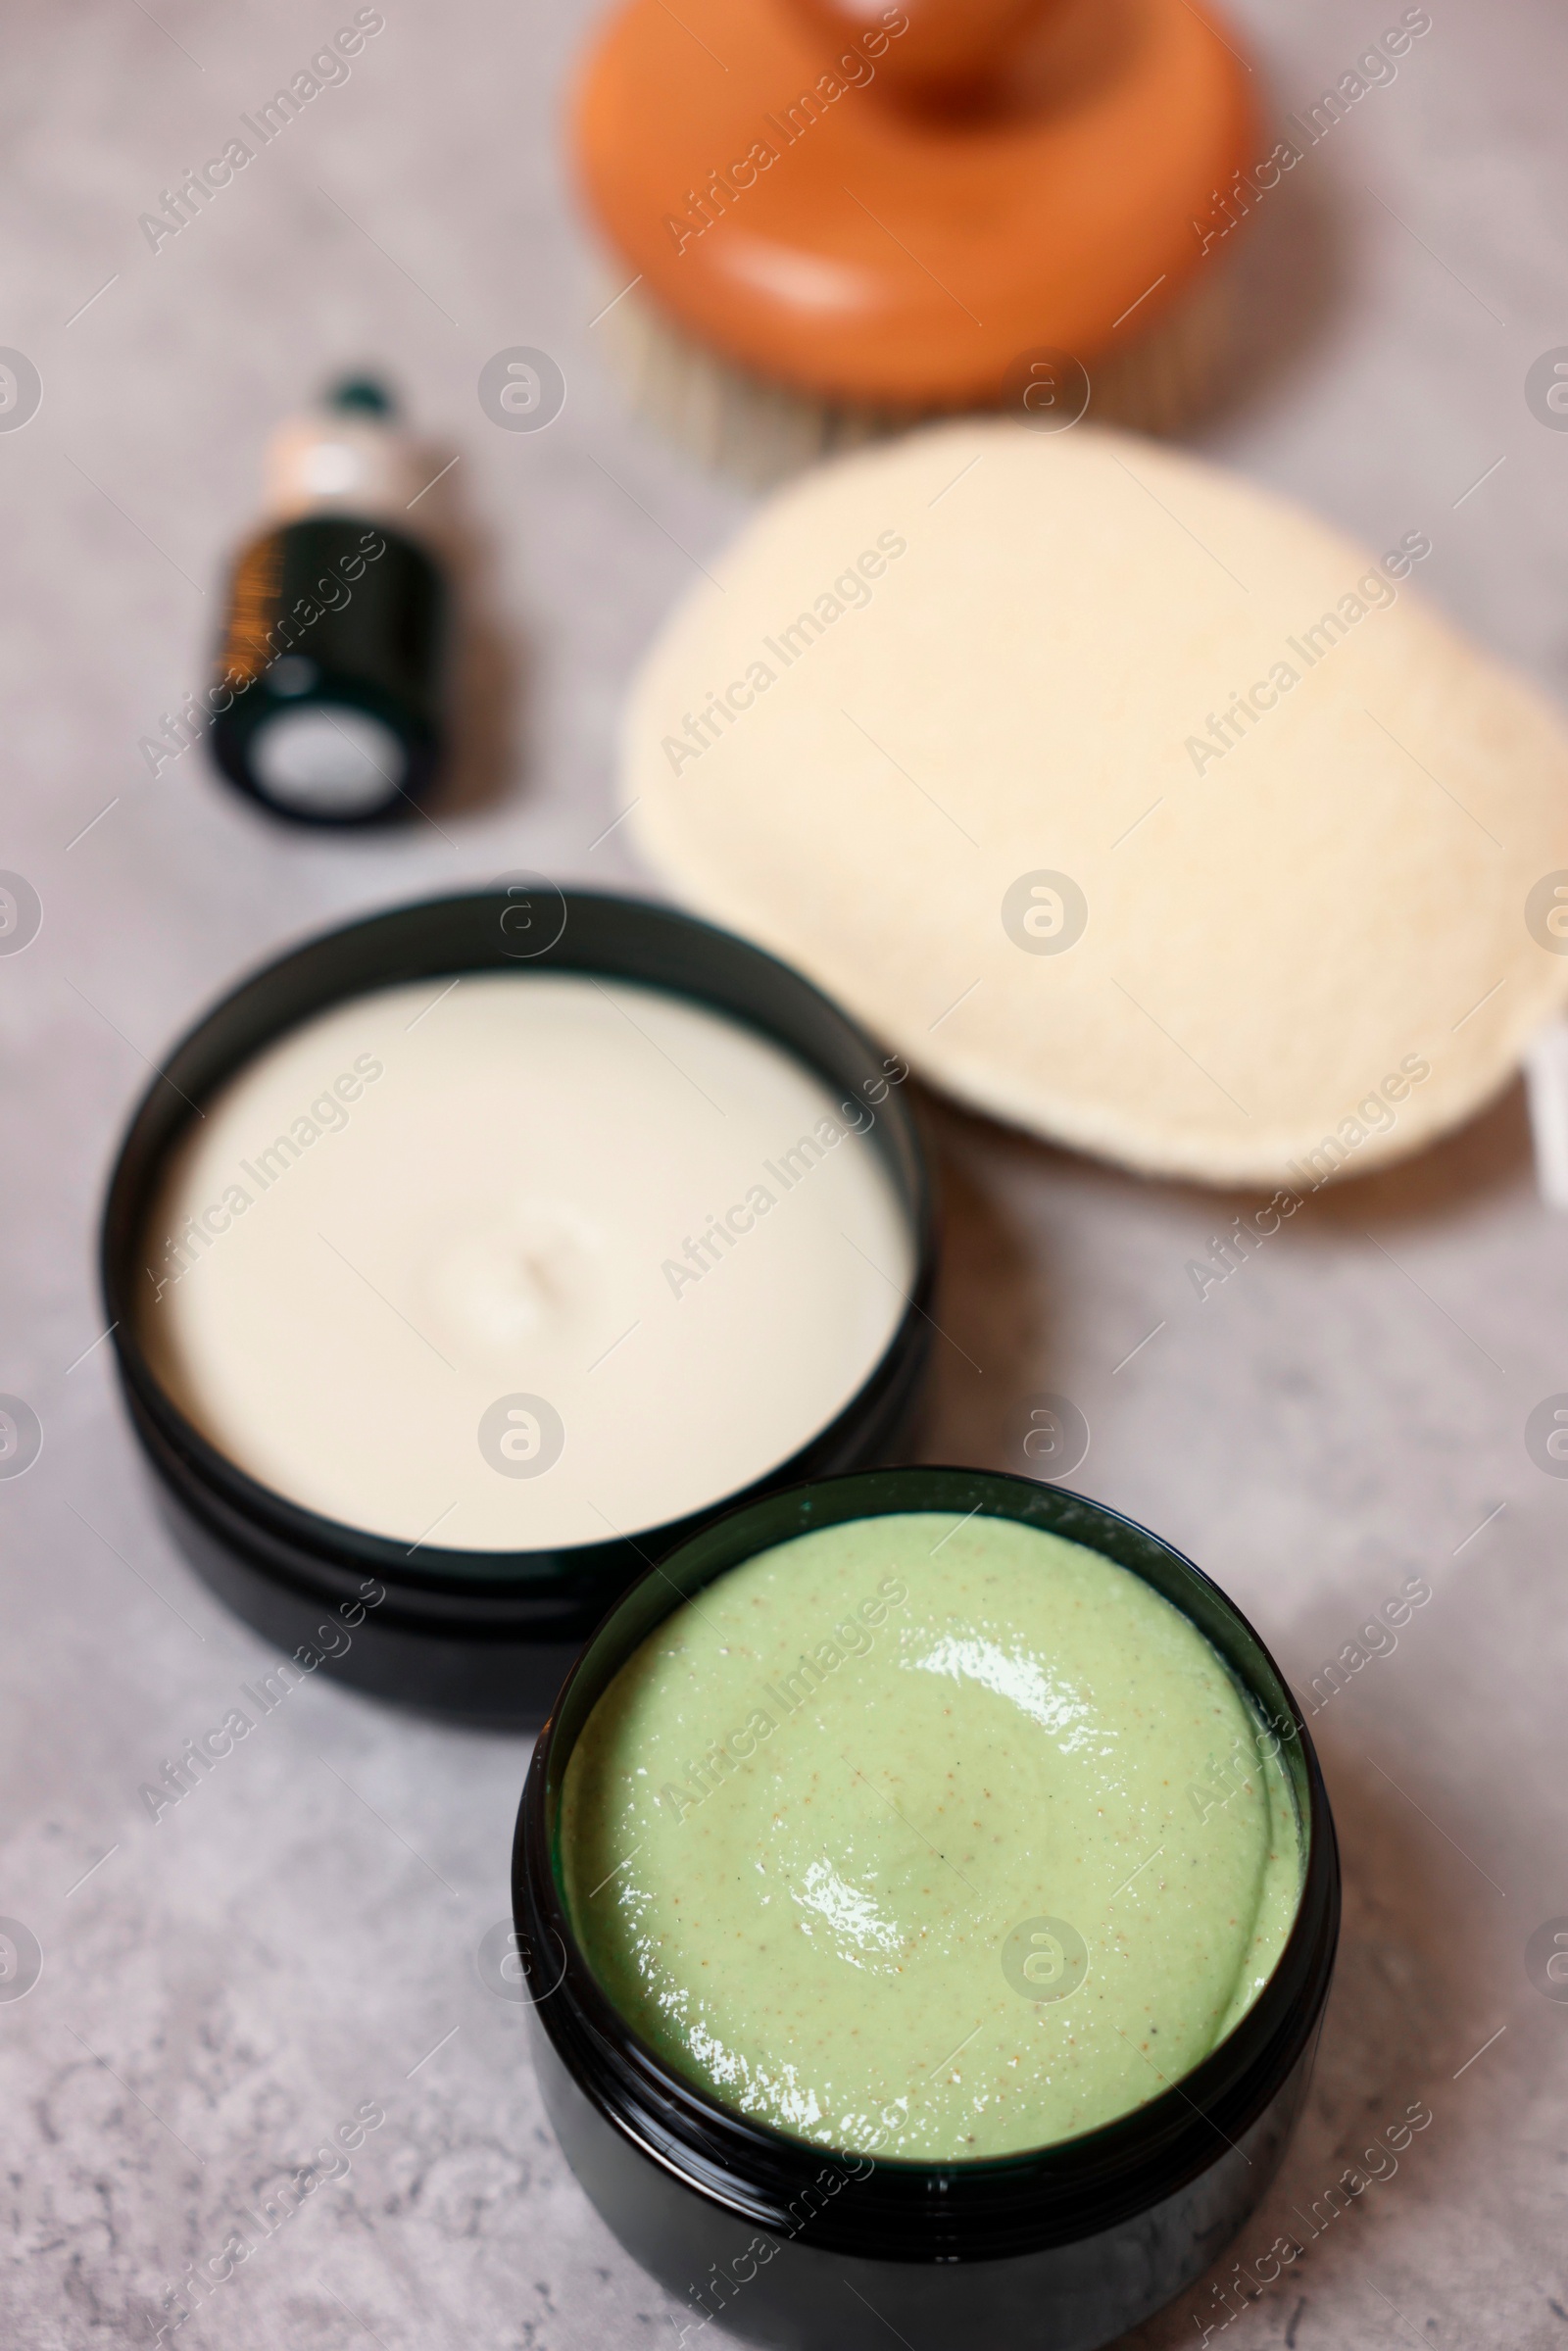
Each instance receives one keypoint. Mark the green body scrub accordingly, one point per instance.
(929, 1837)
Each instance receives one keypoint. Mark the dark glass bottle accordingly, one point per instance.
(327, 699)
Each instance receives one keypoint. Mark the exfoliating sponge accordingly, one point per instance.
(1131, 802)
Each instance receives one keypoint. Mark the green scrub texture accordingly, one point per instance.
(931, 1837)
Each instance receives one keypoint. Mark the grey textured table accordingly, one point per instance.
(220, 1990)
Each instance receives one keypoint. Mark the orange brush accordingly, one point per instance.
(843, 216)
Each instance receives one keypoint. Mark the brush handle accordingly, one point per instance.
(952, 52)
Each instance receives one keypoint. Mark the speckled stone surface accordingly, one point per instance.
(221, 1989)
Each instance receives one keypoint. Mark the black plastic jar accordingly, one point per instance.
(482, 1635)
(1060, 2249)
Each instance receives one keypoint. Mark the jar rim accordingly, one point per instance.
(968, 2207)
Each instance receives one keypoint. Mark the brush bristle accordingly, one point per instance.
(760, 433)
(1167, 377)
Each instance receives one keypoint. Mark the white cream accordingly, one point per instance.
(439, 1197)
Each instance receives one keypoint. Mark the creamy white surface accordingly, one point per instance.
(495, 1213)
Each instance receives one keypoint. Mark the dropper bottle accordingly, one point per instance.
(328, 696)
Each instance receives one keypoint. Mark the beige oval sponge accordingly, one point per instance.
(1127, 801)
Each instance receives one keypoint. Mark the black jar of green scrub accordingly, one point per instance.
(1062, 2248)
(485, 1635)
